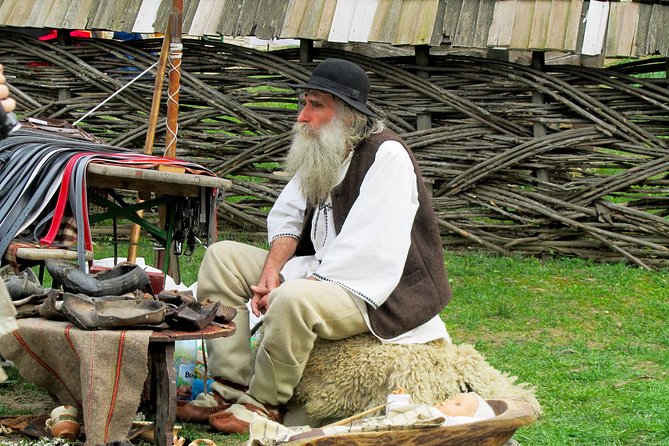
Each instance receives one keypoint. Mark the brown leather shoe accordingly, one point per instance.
(196, 413)
(237, 418)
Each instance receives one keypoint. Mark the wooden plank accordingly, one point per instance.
(214, 18)
(595, 28)
(425, 23)
(573, 25)
(658, 36)
(198, 24)
(501, 26)
(483, 22)
(147, 179)
(57, 14)
(76, 17)
(326, 20)
(613, 30)
(270, 18)
(522, 24)
(146, 17)
(19, 14)
(452, 17)
(248, 17)
(231, 11)
(341, 22)
(627, 41)
(95, 15)
(6, 9)
(118, 21)
(438, 26)
(311, 19)
(127, 20)
(293, 19)
(621, 32)
(163, 14)
(539, 27)
(104, 16)
(556, 28)
(385, 21)
(404, 30)
(465, 31)
(642, 30)
(190, 8)
(362, 20)
(40, 13)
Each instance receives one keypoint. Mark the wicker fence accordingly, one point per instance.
(565, 161)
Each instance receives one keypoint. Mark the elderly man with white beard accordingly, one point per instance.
(354, 248)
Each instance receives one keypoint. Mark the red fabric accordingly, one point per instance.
(62, 200)
(53, 35)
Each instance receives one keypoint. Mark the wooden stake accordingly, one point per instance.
(151, 131)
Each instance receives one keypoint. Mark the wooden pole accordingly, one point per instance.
(151, 131)
(175, 54)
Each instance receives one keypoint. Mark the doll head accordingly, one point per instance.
(466, 405)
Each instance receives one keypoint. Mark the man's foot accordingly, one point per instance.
(237, 418)
(202, 407)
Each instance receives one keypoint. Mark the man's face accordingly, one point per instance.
(317, 109)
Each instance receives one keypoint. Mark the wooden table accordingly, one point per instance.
(182, 199)
(163, 374)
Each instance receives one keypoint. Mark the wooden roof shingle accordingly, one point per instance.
(613, 29)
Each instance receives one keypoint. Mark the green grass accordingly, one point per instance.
(593, 340)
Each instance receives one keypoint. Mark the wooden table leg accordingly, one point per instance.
(164, 380)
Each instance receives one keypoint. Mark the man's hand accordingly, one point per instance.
(281, 250)
(259, 301)
(8, 104)
(8, 122)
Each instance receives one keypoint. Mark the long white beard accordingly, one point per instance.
(316, 157)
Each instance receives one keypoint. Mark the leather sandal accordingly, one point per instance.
(224, 314)
(197, 413)
(20, 286)
(192, 316)
(234, 420)
(93, 314)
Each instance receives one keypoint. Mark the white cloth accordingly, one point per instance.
(367, 257)
(7, 311)
(264, 432)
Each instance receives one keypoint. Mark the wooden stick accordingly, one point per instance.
(151, 131)
(357, 416)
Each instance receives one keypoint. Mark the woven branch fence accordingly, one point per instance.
(568, 161)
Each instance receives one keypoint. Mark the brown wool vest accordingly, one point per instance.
(423, 290)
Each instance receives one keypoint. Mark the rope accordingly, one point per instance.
(175, 56)
(115, 93)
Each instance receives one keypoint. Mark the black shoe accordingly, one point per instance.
(122, 278)
(22, 285)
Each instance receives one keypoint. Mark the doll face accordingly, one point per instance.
(461, 405)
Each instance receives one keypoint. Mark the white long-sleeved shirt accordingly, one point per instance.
(367, 257)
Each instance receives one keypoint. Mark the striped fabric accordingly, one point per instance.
(102, 372)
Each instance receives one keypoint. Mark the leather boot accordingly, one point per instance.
(121, 279)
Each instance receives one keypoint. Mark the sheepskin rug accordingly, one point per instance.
(345, 377)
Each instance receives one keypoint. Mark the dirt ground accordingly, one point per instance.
(20, 404)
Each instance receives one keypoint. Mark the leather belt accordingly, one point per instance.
(34, 166)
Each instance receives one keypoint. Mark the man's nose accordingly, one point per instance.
(304, 115)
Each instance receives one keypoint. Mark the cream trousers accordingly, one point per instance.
(299, 312)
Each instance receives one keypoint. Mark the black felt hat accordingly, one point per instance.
(343, 79)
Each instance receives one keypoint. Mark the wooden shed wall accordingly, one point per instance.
(613, 29)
